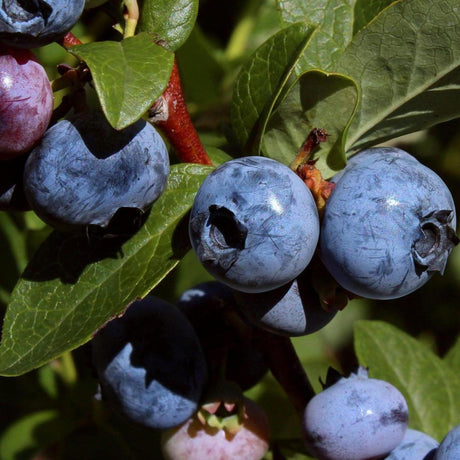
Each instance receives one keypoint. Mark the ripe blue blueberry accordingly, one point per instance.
(150, 364)
(292, 310)
(356, 418)
(415, 445)
(35, 23)
(388, 225)
(226, 340)
(449, 449)
(83, 171)
(254, 224)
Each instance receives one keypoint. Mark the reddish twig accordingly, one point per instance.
(169, 113)
(69, 40)
(306, 168)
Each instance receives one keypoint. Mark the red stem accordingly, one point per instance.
(69, 40)
(171, 116)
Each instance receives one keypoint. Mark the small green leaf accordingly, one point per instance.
(406, 62)
(169, 21)
(73, 286)
(430, 387)
(316, 100)
(262, 82)
(128, 75)
(35, 431)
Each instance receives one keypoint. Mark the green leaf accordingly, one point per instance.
(74, 285)
(406, 62)
(316, 100)
(200, 70)
(35, 431)
(335, 18)
(366, 11)
(169, 21)
(430, 387)
(452, 358)
(262, 82)
(128, 75)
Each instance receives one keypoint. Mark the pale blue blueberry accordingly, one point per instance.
(449, 449)
(356, 418)
(254, 224)
(414, 446)
(291, 310)
(388, 225)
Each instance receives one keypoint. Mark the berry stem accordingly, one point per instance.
(286, 368)
(169, 113)
(131, 17)
(69, 40)
(306, 169)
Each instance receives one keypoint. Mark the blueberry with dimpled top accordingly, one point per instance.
(254, 224)
(150, 364)
(35, 23)
(388, 225)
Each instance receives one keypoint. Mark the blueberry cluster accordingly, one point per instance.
(388, 226)
(80, 172)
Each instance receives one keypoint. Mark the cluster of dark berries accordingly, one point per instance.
(80, 172)
(182, 369)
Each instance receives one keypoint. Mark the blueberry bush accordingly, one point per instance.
(322, 141)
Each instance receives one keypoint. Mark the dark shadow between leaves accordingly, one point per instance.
(65, 256)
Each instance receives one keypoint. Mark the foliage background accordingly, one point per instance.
(53, 410)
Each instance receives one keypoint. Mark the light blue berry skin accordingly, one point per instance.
(388, 225)
(357, 418)
(150, 364)
(254, 224)
(37, 23)
(291, 310)
(449, 449)
(83, 171)
(414, 446)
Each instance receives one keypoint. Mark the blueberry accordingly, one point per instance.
(414, 446)
(26, 101)
(449, 449)
(84, 171)
(356, 418)
(226, 340)
(35, 23)
(254, 224)
(150, 364)
(388, 225)
(292, 310)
